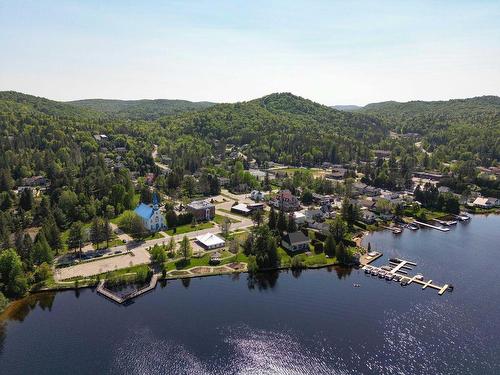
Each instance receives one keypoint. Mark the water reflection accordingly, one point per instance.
(186, 282)
(3, 328)
(19, 310)
(342, 272)
(262, 280)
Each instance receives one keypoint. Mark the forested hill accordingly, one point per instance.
(422, 116)
(283, 127)
(460, 129)
(12, 101)
(140, 109)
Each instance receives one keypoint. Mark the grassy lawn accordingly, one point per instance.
(191, 262)
(219, 219)
(153, 236)
(115, 241)
(308, 260)
(117, 219)
(65, 236)
(186, 228)
(112, 274)
(181, 264)
(240, 257)
(285, 259)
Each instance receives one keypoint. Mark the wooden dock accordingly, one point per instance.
(404, 279)
(115, 298)
(366, 259)
(432, 226)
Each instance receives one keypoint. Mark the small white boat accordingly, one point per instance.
(389, 276)
(418, 277)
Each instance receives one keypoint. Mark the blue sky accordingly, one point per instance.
(351, 52)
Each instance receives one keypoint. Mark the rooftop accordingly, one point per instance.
(296, 237)
(197, 205)
(144, 211)
(210, 239)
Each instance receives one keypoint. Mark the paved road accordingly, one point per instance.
(137, 256)
(139, 251)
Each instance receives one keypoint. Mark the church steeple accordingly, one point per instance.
(156, 201)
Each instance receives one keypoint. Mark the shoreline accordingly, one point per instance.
(358, 239)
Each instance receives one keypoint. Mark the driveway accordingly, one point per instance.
(119, 233)
(137, 256)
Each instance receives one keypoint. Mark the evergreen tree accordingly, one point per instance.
(41, 250)
(26, 199)
(292, 225)
(281, 224)
(171, 246)
(96, 234)
(338, 229)
(257, 217)
(75, 237)
(341, 253)
(330, 248)
(106, 231)
(272, 219)
(52, 233)
(185, 248)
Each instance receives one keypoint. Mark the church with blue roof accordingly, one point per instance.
(151, 216)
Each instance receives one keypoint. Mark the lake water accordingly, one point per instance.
(314, 322)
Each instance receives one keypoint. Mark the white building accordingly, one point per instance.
(299, 218)
(210, 241)
(482, 202)
(151, 216)
(257, 195)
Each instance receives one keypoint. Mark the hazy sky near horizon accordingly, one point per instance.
(333, 52)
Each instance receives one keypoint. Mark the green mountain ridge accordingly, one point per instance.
(147, 109)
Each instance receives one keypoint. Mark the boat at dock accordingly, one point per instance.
(447, 223)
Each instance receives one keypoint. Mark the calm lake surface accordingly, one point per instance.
(314, 322)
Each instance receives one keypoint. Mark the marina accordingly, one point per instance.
(397, 270)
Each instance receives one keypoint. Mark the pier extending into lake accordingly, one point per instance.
(432, 226)
(119, 299)
(396, 272)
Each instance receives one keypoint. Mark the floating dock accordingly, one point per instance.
(461, 217)
(432, 226)
(397, 267)
(446, 222)
(395, 230)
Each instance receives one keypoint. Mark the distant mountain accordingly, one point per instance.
(24, 103)
(283, 127)
(422, 116)
(140, 109)
(348, 107)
